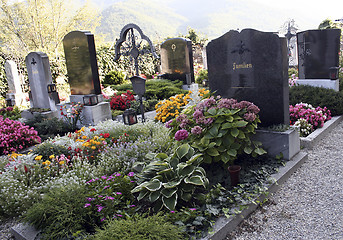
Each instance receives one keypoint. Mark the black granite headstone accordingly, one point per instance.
(252, 66)
(177, 60)
(82, 66)
(317, 52)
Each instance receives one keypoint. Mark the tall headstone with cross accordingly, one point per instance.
(318, 52)
(177, 60)
(252, 65)
(83, 76)
(15, 93)
(38, 69)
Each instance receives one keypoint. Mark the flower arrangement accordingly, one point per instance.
(72, 115)
(315, 117)
(293, 80)
(16, 136)
(220, 128)
(122, 102)
(170, 108)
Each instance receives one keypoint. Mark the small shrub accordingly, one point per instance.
(317, 96)
(61, 213)
(139, 227)
(16, 136)
(114, 78)
(12, 113)
(49, 127)
(202, 74)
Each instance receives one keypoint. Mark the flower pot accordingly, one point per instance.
(234, 174)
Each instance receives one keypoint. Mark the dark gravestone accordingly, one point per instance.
(318, 51)
(252, 66)
(177, 60)
(82, 66)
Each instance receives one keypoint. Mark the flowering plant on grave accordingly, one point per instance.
(12, 113)
(110, 197)
(122, 102)
(16, 136)
(72, 114)
(315, 117)
(220, 128)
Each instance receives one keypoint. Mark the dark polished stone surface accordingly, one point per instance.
(177, 59)
(253, 66)
(318, 51)
(82, 66)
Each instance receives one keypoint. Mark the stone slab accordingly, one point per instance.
(24, 231)
(320, 133)
(287, 143)
(92, 115)
(325, 83)
(26, 114)
(224, 226)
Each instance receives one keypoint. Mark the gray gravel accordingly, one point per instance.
(309, 205)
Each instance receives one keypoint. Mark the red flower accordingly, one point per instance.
(93, 130)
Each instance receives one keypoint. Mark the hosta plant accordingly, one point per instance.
(169, 180)
(220, 128)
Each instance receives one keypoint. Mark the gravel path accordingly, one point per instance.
(309, 205)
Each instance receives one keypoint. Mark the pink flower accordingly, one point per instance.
(87, 205)
(181, 135)
(197, 130)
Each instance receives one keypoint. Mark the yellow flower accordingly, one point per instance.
(52, 156)
(84, 137)
(37, 158)
(61, 162)
(93, 147)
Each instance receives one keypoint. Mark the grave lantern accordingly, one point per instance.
(138, 85)
(90, 100)
(130, 117)
(51, 88)
(334, 73)
(9, 102)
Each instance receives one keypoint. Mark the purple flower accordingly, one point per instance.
(118, 174)
(103, 219)
(197, 130)
(197, 114)
(118, 193)
(109, 198)
(99, 208)
(253, 109)
(208, 121)
(132, 205)
(226, 103)
(250, 117)
(181, 135)
(192, 209)
(87, 205)
(90, 199)
(182, 117)
(103, 177)
(106, 187)
(167, 125)
(131, 174)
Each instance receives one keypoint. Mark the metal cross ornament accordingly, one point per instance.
(130, 44)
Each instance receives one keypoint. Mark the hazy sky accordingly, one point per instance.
(308, 13)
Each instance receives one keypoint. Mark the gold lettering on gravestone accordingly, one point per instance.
(241, 66)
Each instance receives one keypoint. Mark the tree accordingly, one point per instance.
(40, 25)
(327, 24)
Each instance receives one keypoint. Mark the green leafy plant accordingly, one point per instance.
(317, 96)
(167, 181)
(114, 78)
(59, 219)
(139, 227)
(202, 74)
(46, 149)
(12, 113)
(219, 128)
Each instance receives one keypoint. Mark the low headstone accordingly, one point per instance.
(14, 87)
(252, 65)
(177, 60)
(83, 76)
(82, 66)
(39, 73)
(318, 51)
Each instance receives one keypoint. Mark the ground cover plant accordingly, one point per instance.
(113, 176)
